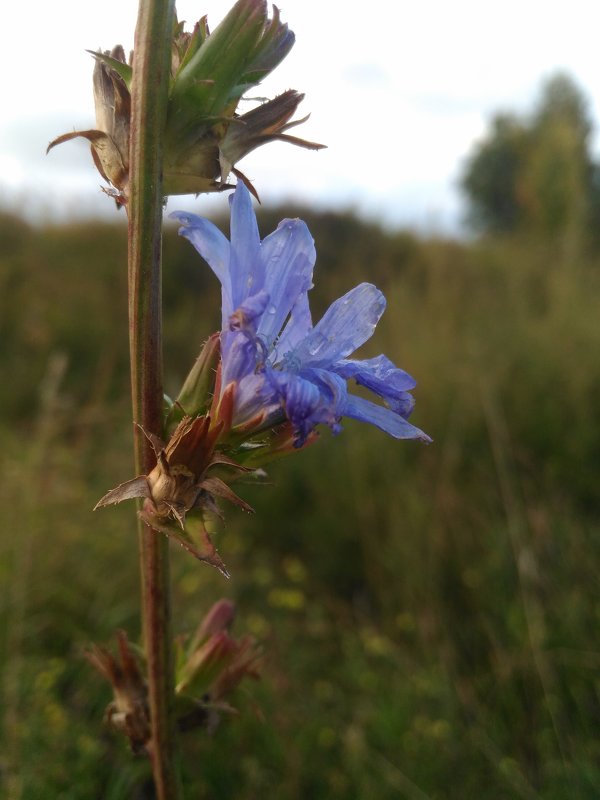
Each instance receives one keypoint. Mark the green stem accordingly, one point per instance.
(149, 95)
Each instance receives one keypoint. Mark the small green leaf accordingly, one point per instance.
(197, 390)
(196, 40)
(122, 69)
(223, 58)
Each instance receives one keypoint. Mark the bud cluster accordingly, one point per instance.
(209, 667)
(205, 134)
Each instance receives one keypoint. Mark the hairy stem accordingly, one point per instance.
(148, 115)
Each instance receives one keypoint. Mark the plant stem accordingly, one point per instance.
(149, 97)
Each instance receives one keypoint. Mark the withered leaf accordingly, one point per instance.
(136, 487)
(193, 537)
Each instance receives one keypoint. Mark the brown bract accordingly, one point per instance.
(109, 141)
(129, 712)
(180, 483)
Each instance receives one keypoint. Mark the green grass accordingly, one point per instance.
(429, 614)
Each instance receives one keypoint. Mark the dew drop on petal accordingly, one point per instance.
(319, 341)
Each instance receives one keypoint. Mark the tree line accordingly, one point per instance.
(535, 173)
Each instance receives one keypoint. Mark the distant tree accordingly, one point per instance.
(562, 100)
(536, 173)
(491, 176)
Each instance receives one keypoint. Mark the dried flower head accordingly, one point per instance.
(128, 713)
(181, 482)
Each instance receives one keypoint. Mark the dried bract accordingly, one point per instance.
(128, 713)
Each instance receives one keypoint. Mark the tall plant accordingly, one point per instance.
(167, 123)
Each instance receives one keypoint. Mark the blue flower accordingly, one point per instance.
(279, 365)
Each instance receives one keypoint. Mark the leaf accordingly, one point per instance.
(265, 123)
(120, 67)
(240, 176)
(66, 137)
(284, 137)
(220, 458)
(156, 442)
(136, 487)
(224, 405)
(107, 156)
(194, 538)
(192, 444)
(219, 488)
(191, 44)
(198, 387)
(221, 59)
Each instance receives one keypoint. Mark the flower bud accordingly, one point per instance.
(219, 618)
(198, 388)
(183, 483)
(215, 662)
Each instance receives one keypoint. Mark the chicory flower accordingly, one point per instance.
(277, 365)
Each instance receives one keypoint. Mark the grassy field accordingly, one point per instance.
(429, 614)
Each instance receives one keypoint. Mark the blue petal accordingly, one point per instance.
(239, 356)
(402, 405)
(383, 418)
(380, 375)
(310, 400)
(288, 257)
(346, 324)
(247, 316)
(214, 249)
(255, 395)
(247, 275)
(244, 352)
(298, 326)
(333, 390)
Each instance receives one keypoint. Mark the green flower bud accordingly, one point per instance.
(214, 662)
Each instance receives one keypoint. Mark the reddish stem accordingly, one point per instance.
(149, 94)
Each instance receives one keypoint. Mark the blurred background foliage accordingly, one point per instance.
(535, 172)
(429, 614)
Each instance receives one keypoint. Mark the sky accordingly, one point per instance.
(399, 91)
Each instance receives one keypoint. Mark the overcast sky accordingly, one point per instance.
(398, 91)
